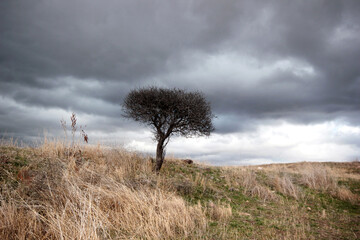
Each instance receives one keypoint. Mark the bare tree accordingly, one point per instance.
(169, 112)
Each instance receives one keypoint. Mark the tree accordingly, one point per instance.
(169, 112)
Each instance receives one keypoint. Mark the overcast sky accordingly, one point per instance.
(283, 77)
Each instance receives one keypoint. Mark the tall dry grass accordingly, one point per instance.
(247, 179)
(284, 184)
(318, 177)
(94, 193)
(323, 178)
(219, 211)
(287, 180)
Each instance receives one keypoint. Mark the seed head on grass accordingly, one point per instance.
(73, 127)
(85, 136)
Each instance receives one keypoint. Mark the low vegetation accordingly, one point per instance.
(92, 192)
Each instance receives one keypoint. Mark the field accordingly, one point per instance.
(58, 191)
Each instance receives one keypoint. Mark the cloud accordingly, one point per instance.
(284, 142)
(259, 63)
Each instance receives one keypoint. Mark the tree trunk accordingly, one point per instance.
(159, 155)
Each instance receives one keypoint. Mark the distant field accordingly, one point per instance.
(55, 191)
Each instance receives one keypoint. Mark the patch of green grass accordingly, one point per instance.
(259, 221)
(199, 194)
(20, 161)
(11, 161)
(213, 224)
(327, 201)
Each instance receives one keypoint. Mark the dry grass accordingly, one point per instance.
(219, 212)
(318, 177)
(346, 195)
(288, 180)
(64, 191)
(324, 179)
(93, 193)
(247, 179)
(341, 170)
(300, 191)
(285, 185)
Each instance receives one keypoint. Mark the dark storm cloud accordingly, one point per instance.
(119, 40)
(85, 55)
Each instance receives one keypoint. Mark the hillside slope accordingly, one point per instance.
(57, 192)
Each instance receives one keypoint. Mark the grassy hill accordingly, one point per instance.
(57, 192)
